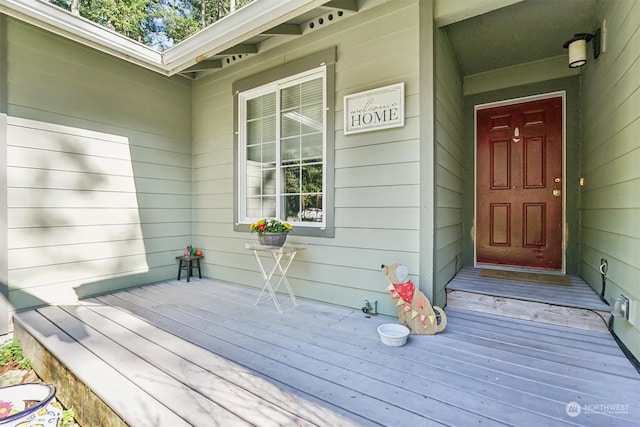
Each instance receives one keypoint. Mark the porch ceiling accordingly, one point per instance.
(526, 31)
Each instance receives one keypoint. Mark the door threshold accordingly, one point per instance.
(520, 269)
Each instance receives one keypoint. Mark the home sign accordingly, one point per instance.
(375, 109)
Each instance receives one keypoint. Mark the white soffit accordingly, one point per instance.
(450, 11)
(253, 19)
(249, 21)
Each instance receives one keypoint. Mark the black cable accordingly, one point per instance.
(625, 350)
(604, 266)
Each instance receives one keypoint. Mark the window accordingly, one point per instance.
(284, 148)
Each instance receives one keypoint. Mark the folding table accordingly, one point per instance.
(288, 252)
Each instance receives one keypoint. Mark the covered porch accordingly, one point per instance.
(201, 353)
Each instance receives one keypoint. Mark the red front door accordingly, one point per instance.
(519, 184)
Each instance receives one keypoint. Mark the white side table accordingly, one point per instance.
(288, 252)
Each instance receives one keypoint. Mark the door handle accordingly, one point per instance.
(556, 192)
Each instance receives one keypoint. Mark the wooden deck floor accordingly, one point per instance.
(200, 353)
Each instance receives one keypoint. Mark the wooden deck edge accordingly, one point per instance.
(88, 408)
(529, 310)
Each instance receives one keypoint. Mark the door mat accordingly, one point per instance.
(547, 279)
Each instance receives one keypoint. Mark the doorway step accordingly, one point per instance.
(577, 306)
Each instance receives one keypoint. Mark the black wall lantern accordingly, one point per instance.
(578, 48)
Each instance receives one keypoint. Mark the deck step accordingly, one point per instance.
(589, 319)
(575, 306)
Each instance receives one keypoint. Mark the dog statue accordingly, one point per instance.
(414, 309)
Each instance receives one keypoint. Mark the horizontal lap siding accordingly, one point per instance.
(449, 166)
(611, 155)
(376, 173)
(99, 187)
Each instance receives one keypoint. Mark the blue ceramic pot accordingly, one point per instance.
(29, 405)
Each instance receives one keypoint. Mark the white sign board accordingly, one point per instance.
(375, 109)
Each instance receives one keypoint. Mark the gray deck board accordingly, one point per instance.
(584, 340)
(349, 367)
(315, 367)
(111, 385)
(203, 351)
(544, 351)
(133, 360)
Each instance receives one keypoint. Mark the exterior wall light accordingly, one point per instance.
(578, 48)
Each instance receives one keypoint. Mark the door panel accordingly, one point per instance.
(519, 184)
(500, 224)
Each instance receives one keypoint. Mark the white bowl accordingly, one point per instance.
(393, 334)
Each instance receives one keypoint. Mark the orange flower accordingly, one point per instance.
(270, 225)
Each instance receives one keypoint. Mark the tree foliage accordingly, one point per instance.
(156, 23)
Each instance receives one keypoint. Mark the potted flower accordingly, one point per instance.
(271, 232)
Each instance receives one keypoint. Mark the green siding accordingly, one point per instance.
(611, 155)
(99, 190)
(449, 158)
(377, 174)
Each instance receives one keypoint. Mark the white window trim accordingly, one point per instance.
(277, 87)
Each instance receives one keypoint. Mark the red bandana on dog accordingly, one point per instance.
(405, 291)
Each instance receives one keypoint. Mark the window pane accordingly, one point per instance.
(311, 91)
(311, 118)
(261, 207)
(290, 97)
(269, 153)
(290, 149)
(254, 108)
(292, 180)
(312, 147)
(268, 181)
(254, 153)
(268, 207)
(312, 208)
(269, 128)
(269, 104)
(254, 207)
(290, 124)
(254, 132)
(291, 207)
(312, 178)
(254, 181)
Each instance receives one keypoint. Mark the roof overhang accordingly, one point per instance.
(59, 21)
(254, 28)
(249, 21)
